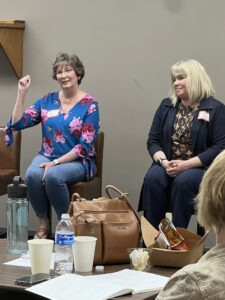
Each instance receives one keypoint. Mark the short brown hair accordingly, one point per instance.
(211, 196)
(68, 59)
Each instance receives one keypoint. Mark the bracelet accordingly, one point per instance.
(56, 162)
(160, 160)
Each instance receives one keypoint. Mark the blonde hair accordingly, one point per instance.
(198, 83)
(211, 196)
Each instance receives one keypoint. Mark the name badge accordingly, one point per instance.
(53, 113)
(203, 115)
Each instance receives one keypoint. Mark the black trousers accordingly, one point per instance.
(161, 193)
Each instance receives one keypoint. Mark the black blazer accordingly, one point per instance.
(208, 138)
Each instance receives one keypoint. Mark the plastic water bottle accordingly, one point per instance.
(17, 217)
(64, 239)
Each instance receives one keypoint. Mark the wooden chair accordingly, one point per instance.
(200, 230)
(87, 189)
(9, 160)
(93, 188)
(9, 164)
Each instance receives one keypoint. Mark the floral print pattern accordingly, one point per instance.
(75, 126)
(58, 136)
(91, 109)
(47, 145)
(77, 130)
(88, 132)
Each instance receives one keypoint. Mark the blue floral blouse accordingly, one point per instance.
(76, 130)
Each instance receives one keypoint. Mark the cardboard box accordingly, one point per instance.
(173, 258)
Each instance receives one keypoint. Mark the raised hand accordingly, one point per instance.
(24, 84)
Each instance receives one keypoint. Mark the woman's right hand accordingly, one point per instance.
(24, 84)
(165, 164)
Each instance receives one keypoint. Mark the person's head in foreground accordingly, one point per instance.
(206, 278)
(211, 198)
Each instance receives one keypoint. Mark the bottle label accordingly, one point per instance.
(64, 239)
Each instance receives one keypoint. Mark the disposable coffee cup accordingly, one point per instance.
(40, 255)
(83, 253)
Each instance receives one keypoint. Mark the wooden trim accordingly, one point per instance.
(11, 40)
(12, 24)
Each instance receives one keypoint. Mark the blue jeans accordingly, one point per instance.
(54, 189)
(160, 193)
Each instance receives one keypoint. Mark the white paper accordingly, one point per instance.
(72, 286)
(139, 281)
(24, 261)
(99, 287)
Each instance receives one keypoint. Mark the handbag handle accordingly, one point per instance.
(108, 187)
(122, 196)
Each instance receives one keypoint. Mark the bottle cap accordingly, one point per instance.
(17, 189)
(65, 216)
(99, 268)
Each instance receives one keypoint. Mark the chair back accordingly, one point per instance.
(9, 160)
(10, 156)
(99, 147)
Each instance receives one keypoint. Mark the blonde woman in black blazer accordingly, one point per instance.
(187, 133)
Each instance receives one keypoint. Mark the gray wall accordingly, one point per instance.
(127, 47)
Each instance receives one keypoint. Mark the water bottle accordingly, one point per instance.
(64, 239)
(17, 217)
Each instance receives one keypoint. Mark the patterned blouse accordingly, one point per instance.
(181, 137)
(61, 133)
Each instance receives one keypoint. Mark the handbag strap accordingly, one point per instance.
(108, 187)
(121, 196)
(77, 197)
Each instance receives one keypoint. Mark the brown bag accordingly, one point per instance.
(112, 220)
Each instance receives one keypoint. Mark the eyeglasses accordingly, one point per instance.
(66, 72)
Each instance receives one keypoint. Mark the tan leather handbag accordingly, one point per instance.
(112, 220)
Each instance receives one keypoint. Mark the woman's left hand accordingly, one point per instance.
(47, 166)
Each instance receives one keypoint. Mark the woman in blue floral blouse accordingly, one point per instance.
(70, 124)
